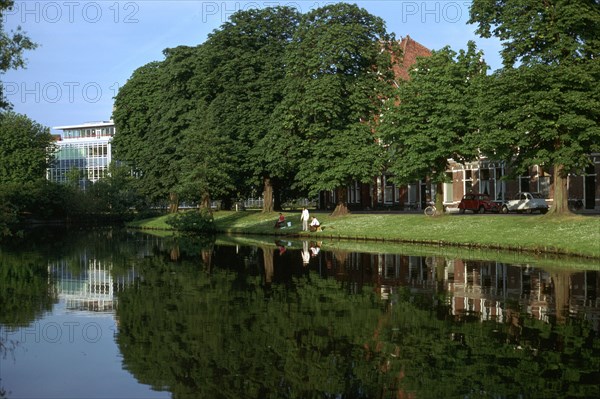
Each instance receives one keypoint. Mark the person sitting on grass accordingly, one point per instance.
(315, 225)
(280, 222)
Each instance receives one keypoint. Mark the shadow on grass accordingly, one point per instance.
(247, 220)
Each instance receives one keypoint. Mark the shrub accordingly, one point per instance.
(196, 221)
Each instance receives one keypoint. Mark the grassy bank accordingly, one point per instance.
(573, 235)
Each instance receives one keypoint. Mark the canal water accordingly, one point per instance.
(111, 313)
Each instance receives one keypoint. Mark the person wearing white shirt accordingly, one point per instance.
(315, 225)
(304, 218)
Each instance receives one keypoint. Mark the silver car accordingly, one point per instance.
(525, 202)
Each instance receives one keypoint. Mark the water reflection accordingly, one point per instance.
(193, 318)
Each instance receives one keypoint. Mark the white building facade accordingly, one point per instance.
(85, 147)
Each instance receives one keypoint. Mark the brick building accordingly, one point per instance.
(483, 176)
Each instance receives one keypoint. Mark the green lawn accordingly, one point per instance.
(574, 235)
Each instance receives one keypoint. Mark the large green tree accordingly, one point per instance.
(543, 106)
(207, 168)
(192, 124)
(338, 72)
(243, 83)
(133, 116)
(152, 113)
(25, 149)
(432, 117)
(12, 46)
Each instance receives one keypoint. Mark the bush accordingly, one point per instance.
(196, 221)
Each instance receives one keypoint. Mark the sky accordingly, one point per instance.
(88, 49)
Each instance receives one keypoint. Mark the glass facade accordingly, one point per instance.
(86, 148)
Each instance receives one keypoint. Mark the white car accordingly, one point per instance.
(525, 202)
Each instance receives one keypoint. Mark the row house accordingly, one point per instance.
(487, 290)
(483, 176)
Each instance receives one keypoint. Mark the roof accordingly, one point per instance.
(411, 50)
(85, 125)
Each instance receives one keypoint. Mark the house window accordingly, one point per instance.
(500, 184)
(412, 194)
(484, 181)
(544, 186)
(388, 194)
(468, 181)
(354, 193)
(524, 183)
(448, 188)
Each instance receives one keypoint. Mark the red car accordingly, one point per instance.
(478, 203)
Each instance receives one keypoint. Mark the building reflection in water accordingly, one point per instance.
(487, 290)
(90, 285)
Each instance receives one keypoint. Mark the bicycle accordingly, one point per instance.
(430, 210)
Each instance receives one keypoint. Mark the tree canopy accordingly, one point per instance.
(433, 116)
(548, 32)
(300, 102)
(245, 75)
(25, 149)
(542, 107)
(339, 71)
(238, 92)
(152, 112)
(12, 46)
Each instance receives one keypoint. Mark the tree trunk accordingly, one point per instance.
(439, 198)
(341, 207)
(560, 205)
(561, 282)
(175, 254)
(267, 194)
(207, 259)
(268, 264)
(205, 202)
(173, 203)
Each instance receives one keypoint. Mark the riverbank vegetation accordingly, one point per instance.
(269, 106)
(572, 235)
(288, 105)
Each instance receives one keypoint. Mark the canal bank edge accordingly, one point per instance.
(577, 236)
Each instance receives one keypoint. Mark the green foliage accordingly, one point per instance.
(148, 118)
(544, 111)
(548, 32)
(25, 149)
(40, 199)
(338, 70)
(25, 293)
(213, 121)
(242, 83)
(12, 46)
(8, 218)
(541, 114)
(208, 168)
(433, 116)
(196, 221)
(116, 193)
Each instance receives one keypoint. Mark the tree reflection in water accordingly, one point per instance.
(297, 320)
(260, 322)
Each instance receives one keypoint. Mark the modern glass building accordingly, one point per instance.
(86, 147)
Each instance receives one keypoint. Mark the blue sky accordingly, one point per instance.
(88, 49)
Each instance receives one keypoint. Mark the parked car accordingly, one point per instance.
(525, 202)
(477, 203)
